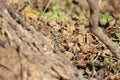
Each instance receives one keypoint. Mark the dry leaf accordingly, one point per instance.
(69, 54)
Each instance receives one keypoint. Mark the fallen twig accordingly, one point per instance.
(97, 31)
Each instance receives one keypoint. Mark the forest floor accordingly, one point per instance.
(67, 26)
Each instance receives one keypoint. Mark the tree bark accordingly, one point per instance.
(26, 54)
(97, 31)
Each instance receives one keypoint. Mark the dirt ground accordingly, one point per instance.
(66, 24)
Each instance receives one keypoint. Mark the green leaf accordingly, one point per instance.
(118, 35)
(37, 12)
(107, 14)
(118, 21)
(109, 18)
(105, 17)
(56, 9)
(68, 1)
(103, 21)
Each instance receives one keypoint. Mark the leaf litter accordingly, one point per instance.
(73, 38)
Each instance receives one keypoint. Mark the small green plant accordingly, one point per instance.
(105, 17)
(118, 22)
(34, 11)
(37, 12)
(56, 10)
(68, 2)
(118, 35)
(57, 14)
(94, 70)
(109, 66)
